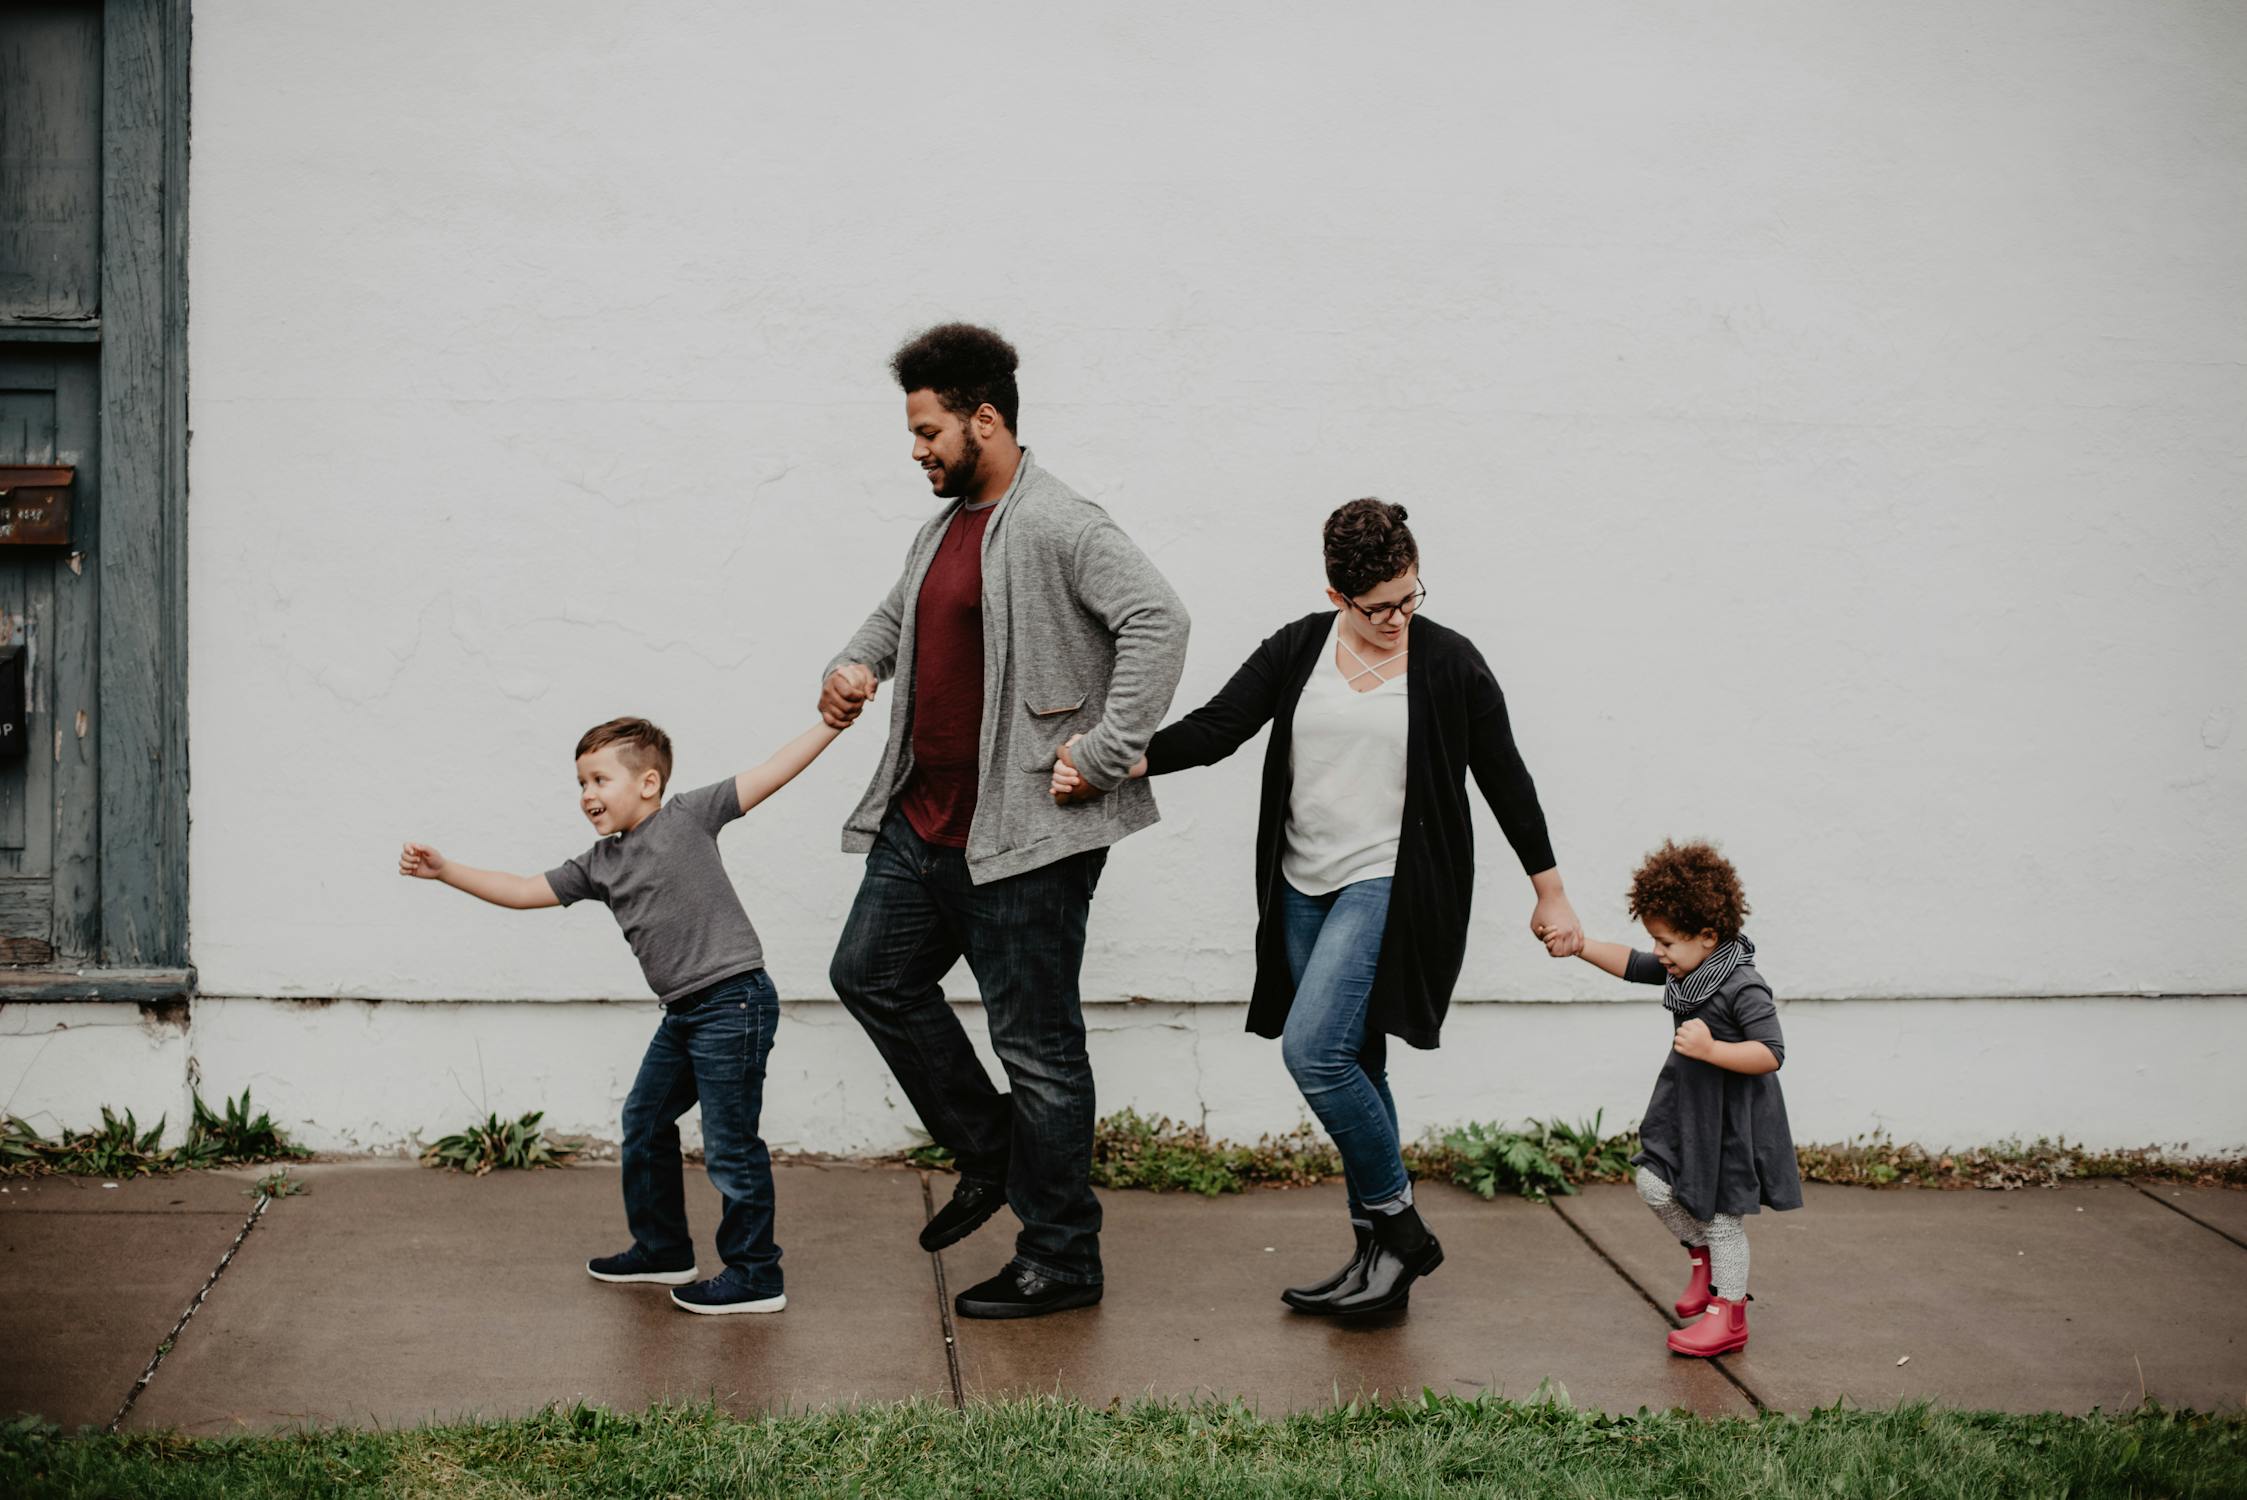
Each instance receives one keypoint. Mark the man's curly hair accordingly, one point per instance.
(964, 365)
(1692, 888)
(1367, 544)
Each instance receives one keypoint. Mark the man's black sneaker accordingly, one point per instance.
(1019, 1292)
(728, 1292)
(636, 1264)
(973, 1202)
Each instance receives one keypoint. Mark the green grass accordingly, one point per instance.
(1434, 1446)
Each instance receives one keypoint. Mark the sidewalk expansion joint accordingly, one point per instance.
(1746, 1390)
(943, 1304)
(257, 1211)
(2178, 1208)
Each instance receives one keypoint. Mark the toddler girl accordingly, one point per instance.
(1714, 1144)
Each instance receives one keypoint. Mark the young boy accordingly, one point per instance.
(657, 869)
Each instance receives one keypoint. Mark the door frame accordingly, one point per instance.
(140, 720)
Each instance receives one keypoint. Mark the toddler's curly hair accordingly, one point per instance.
(1691, 888)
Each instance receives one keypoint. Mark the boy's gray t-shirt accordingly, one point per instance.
(668, 890)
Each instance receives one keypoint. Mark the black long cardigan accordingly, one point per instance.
(1458, 724)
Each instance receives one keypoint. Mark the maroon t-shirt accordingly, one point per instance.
(939, 799)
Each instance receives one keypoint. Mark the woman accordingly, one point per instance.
(1365, 860)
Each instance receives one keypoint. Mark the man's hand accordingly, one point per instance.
(847, 691)
(421, 862)
(1554, 924)
(1693, 1040)
(1069, 784)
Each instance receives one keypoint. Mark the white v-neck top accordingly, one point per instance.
(1345, 810)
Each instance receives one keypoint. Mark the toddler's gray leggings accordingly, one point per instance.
(1725, 1235)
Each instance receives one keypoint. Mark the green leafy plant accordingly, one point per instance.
(930, 1155)
(501, 1145)
(1130, 1150)
(1876, 1161)
(115, 1148)
(278, 1185)
(232, 1136)
(120, 1148)
(1543, 1158)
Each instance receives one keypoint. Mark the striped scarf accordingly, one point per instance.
(1684, 996)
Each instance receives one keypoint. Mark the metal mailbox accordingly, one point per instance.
(35, 505)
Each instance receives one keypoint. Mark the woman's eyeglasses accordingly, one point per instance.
(1381, 614)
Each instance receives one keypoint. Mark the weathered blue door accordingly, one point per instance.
(92, 379)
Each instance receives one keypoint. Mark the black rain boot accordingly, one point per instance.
(1403, 1252)
(1319, 1298)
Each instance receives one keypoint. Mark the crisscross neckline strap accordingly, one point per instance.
(1365, 669)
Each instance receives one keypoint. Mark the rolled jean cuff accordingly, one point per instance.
(1050, 1273)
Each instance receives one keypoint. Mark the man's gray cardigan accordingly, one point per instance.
(1081, 635)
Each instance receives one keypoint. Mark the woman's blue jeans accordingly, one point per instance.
(1340, 1064)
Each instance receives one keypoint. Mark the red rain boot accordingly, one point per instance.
(1694, 1300)
(1722, 1329)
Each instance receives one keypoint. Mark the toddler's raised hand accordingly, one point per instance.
(421, 862)
(1693, 1039)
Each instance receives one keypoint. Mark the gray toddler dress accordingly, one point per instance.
(1720, 1138)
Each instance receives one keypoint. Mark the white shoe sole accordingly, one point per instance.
(656, 1278)
(762, 1305)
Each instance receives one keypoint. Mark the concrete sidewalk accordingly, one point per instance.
(392, 1294)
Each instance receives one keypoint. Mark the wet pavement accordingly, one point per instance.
(390, 1294)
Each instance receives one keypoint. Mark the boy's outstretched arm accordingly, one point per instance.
(1612, 957)
(516, 892)
(761, 781)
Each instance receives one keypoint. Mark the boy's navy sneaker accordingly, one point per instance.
(728, 1292)
(1019, 1292)
(636, 1264)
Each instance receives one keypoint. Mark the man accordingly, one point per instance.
(1024, 618)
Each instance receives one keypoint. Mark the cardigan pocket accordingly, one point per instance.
(1052, 718)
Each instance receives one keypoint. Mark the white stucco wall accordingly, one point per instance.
(1860, 387)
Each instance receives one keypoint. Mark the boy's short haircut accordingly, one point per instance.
(1367, 544)
(1690, 888)
(639, 745)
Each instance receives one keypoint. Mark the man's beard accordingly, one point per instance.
(959, 479)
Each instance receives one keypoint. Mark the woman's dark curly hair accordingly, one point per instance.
(1367, 544)
(1692, 888)
(964, 365)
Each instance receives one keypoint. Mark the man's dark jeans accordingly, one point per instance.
(917, 914)
(710, 1046)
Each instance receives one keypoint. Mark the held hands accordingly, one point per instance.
(1554, 924)
(845, 694)
(1693, 1040)
(1069, 785)
(421, 862)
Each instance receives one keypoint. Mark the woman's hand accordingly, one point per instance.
(1693, 1040)
(1069, 784)
(1066, 778)
(1554, 923)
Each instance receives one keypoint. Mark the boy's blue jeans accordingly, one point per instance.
(1340, 1063)
(916, 915)
(710, 1048)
